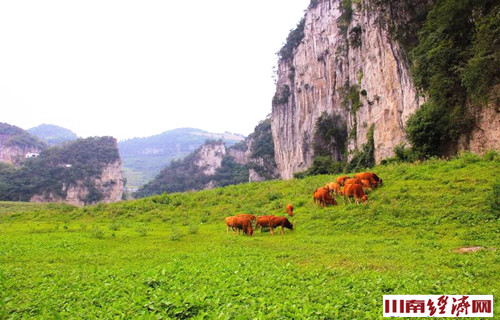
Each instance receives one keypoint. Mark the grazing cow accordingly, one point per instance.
(289, 210)
(249, 216)
(243, 223)
(263, 221)
(370, 176)
(366, 184)
(230, 224)
(356, 191)
(274, 222)
(334, 188)
(353, 181)
(340, 180)
(323, 197)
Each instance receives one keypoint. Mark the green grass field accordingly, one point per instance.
(169, 256)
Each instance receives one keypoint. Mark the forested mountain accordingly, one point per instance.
(217, 164)
(16, 144)
(143, 158)
(52, 134)
(81, 172)
(360, 81)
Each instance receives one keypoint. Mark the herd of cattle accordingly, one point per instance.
(345, 187)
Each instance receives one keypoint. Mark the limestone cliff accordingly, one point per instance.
(16, 144)
(109, 184)
(347, 65)
(83, 172)
(336, 58)
(209, 157)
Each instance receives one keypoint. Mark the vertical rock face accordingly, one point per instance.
(14, 154)
(340, 55)
(83, 172)
(109, 184)
(264, 165)
(486, 133)
(16, 144)
(209, 157)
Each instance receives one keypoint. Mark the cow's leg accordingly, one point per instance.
(349, 199)
(282, 230)
(271, 230)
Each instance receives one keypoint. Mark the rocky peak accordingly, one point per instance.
(345, 65)
(209, 156)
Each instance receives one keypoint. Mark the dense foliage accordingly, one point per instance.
(180, 175)
(454, 63)
(53, 135)
(20, 138)
(230, 173)
(364, 158)
(169, 256)
(330, 136)
(263, 144)
(57, 168)
(292, 41)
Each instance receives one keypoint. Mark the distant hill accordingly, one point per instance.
(144, 158)
(85, 171)
(214, 164)
(16, 143)
(52, 134)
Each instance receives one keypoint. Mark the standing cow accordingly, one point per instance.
(356, 191)
(273, 222)
(323, 197)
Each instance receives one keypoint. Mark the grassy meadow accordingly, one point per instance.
(169, 256)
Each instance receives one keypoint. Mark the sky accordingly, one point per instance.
(138, 68)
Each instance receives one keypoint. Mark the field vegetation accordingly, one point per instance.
(168, 256)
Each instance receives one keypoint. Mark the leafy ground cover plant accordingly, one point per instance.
(337, 263)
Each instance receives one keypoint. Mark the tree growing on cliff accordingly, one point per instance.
(454, 63)
(292, 41)
(58, 168)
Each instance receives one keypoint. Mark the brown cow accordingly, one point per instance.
(356, 191)
(353, 181)
(340, 180)
(334, 188)
(323, 197)
(263, 221)
(370, 176)
(243, 223)
(289, 210)
(274, 222)
(366, 184)
(230, 224)
(249, 216)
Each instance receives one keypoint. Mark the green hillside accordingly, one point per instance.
(52, 134)
(57, 168)
(16, 136)
(168, 256)
(143, 158)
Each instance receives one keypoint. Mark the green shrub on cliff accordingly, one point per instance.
(453, 63)
(58, 168)
(292, 41)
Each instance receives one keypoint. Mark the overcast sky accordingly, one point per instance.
(138, 68)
